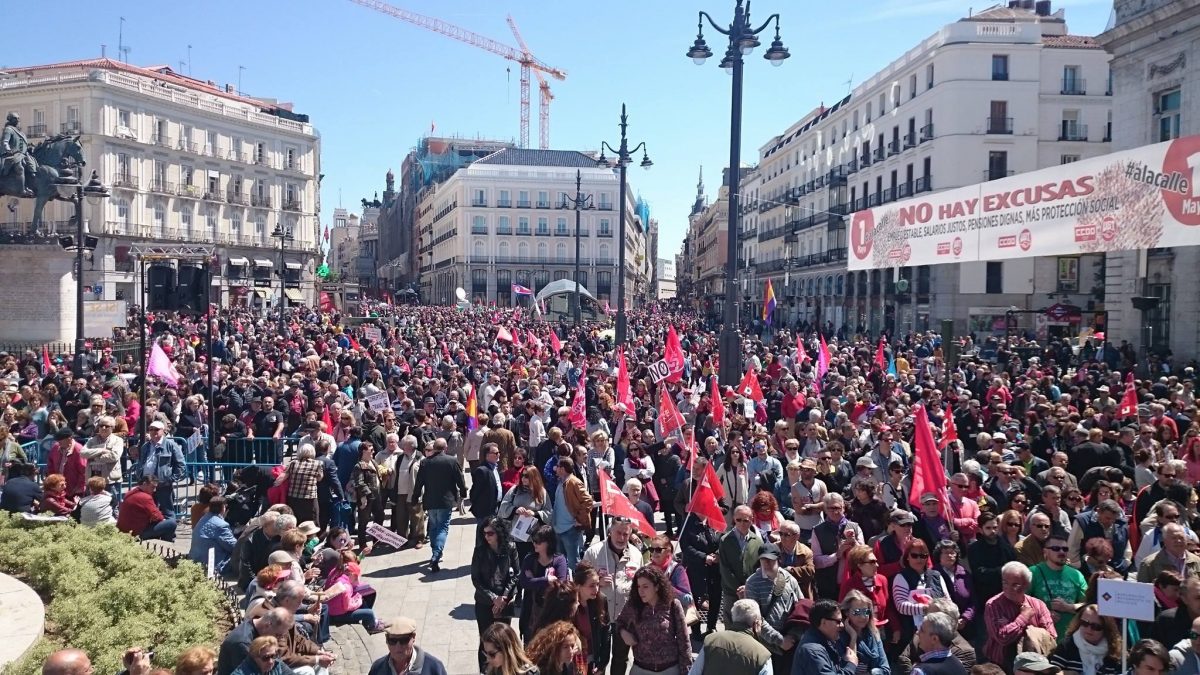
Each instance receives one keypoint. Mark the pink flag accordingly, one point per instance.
(160, 366)
(801, 354)
(624, 392)
(503, 333)
(555, 344)
(578, 416)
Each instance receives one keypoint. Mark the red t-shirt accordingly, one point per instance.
(138, 512)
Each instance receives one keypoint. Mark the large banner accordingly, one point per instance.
(1141, 198)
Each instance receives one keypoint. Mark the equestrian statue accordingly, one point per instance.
(32, 172)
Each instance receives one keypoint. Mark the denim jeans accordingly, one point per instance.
(363, 615)
(164, 498)
(163, 530)
(439, 528)
(570, 542)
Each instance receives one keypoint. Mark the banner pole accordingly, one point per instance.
(1125, 646)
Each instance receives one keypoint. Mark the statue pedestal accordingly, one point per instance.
(37, 304)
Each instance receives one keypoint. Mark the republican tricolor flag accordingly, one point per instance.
(768, 303)
(472, 410)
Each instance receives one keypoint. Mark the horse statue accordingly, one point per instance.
(56, 156)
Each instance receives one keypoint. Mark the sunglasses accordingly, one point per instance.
(1075, 498)
(1057, 549)
(918, 556)
(1095, 626)
(489, 533)
(400, 639)
(870, 561)
(657, 549)
(741, 520)
(861, 611)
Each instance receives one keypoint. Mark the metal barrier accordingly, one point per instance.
(259, 450)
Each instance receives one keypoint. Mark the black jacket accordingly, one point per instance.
(484, 501)
(440, 480)
(494, 573)
(19, 495)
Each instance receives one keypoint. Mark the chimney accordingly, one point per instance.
(1043, 7)
(229, 89)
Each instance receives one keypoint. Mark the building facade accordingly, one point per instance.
(186, 162)
(343, 245)
(1003, 91)
(1155, 47)
(664, 273)
(505, 219)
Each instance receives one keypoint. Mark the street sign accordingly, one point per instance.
(659, 371)
(1125, 599)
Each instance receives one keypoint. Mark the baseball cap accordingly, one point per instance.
(866, 461)
(808, 463)
(1033, 662)
(157, 425)
(901, 517)
(928, 497)
(769, 550)
(402, 626)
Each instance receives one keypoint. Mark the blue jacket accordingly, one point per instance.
(346, 456)
(212, 532)
(164, 460)
(422, 663)
(818, 656)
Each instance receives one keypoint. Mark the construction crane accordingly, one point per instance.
(522, 56)
(544, 93)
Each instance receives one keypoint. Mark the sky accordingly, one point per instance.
(373, 85)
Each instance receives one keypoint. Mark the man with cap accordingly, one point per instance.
(931, 526)
(66, 458)
(163, 459)
(1033, 663)
(807, 495)
(864, 469)
(775, 594)
(404, 657)
(737, 650)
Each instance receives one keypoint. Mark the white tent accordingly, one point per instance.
(560, 287)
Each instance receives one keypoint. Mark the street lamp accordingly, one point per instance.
(579, 203)
(622, 158)
(71, 189)
(743, 39)
(283, 235)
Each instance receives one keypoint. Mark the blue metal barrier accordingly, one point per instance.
(259, 450)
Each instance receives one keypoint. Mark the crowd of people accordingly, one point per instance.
(834, 552)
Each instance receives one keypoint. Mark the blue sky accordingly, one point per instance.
(373, 85)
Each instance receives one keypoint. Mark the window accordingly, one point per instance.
(523, 199)
(560, 227)
(929, 76)
(882, 104)
(210, 218)
(543, 251)
(995, 278)
(560, 252)
(605, 201)
(605, 227)
(1067, 159)
(291, 158)
(72, 123)
(122, 210)
(868, 117)
(523, 225)
(478, 225)
(505, 199)
(543, 201)
(480, 199)
(1166, 114)
(604, 255)
(123, 119)
(999, 66)
(999, 122)
(185, 217)
(543, 225)
(260, 153)
(1068, 274)
(1072, 83)
(1072, 130)
(186, 172)
(291, 195)
(210, 146)
(523, 251)
(235, 223)
(235, 148)
(997, 164)
(912, 87)
(503, 225)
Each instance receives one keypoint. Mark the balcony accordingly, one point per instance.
(838, 209)
(162, 141)
(260, 201)
(262, 160)
(904, 190)
(543, 232)
(1073, 131)
(479, 203)
(291, 205)
(1074, 86)
(772, 266)
(995, 174)
(852, 166)
(125, 181)
(72, 127)
(602, 232)
(859, 204)
(543, 205)
(189, 191)
(36, 130)
(504, 230)
(893, 147)
(523, 204)
(479, 229)
(888, 195)
(910, 140)
(562, 232)
(239, 198)
(212, 196)
(605, 206)
(503, 204)
(479, 259)
(767, 235)
(874, 200)
(927, 133)
(999, 125)
(188, 146)
(864, 160)
(834, 255)
(524, 231)
(836, 176)
(162, 187)
(924, 184)
(879, 154)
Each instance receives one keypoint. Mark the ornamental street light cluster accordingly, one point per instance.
(743, 40)
(71, 189)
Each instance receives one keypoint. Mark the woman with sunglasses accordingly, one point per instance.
(864, 578)
(528, 498)
(640, 466)
(1092, 645)
(734, 477)
(504, 653)
(662, 555)
(946, 557)
(1010, 526)
(913, 588)
(263, 658)
(539, 567)
(494, 574)
(862, 635)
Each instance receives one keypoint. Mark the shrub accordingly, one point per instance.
(106, 593)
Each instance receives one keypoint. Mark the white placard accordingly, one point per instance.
(523, 527)
(372, 333)
(659, 371)
(101, 316)
(386, 536)
(1125, 599)
(379, 402)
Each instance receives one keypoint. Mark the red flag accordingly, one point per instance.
(326, 233)
(503, 333)
(710, 477)
(668, 415)
(718, 404)
(578, 416)
(45, 361)
(327, 421)
(928, 473)
(624, 391)
(533, 340)
(704, 505)
(749, 387)
(446, 351)
(949, 431)
(801, 354)
(404, 366)
(673, 355)
(614, 503)
(354, 343)
(879, 358)
(555, 344)
(823, 360)
(1129, 402)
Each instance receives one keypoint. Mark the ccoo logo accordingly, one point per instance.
(862, 230)
(1025, 240)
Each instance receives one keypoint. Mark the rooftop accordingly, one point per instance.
(1070, 42)
(531, 157)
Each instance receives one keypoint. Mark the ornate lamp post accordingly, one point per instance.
(71, 189)
(743, 38)
(282, 235)
(622, 158)
(579, 203)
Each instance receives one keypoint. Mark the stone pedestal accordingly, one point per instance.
(37, 294)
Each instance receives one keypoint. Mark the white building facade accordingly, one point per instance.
(506, 219)
(665, 270)
(1155, 46)
(1004, 91)
(185, 161)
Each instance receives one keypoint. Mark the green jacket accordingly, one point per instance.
(737, 563)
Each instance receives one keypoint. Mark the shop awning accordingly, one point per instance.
(294, 265)
(260, 292)
(239, 261)
(293, 294)
(263, 262)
